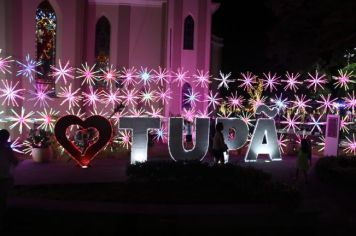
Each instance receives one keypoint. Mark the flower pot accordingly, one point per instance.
(41, 154)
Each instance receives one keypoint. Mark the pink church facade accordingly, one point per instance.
(143, 33)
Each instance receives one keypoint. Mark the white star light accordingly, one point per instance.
(10, 93)
(291, 122)
(316, 123)
(5, 64)
(202, 79)
(88, 74)
(161, 76)
(270, 81)
(301, 103)
(280, 103)
(350, 100)
(111, 97)
(164, 95)
(129, 97)
(350, 145)
(41, 95)
(129, 76)
(282, 143)
(292, 81)
(213, 100)
(71, 97)
(236, 101)
(161, 134)
(147, 96)
(224, 80)
(246, 117)
(248, 80)
(316, 81)
(326, 103)
(91, 98)
(29, 68)
(20, 120)
(62, 72)
(155, 112)
(48, 119)
(110, 75)
(15, 145)
(343, 79)
(180, 76)
(344, 123)
(191, 97)
(145, 76)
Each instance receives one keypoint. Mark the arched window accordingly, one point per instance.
(188, 33)
(102, 45)
(46, 27)
(187, 89)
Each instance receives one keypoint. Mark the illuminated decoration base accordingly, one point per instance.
(175, 141)
(241, 132)
(139, 126)
(332, 135)
(264, 128)
(83, 158)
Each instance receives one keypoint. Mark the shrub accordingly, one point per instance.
(198, 182)
(340, 170)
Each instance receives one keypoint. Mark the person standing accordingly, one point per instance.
(219, 145)
(303, 159)
(7, 160)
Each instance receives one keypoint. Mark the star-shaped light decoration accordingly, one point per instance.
(125, 138)
(291, 122)
(91, 98)
(248, 80)
(5, 64)
(40, 95)
(213, 99)
(147, 96)
(270, 81)
(164, 95)
(88, 74)
(316, 123)
(191, 97)
(155, 112)
(235, 101)
(129, 97)
(292, 81)
(21, 119)
(282, 143)
(145, 76)
(280, 103)
(161, 76)
(316, 80)
(71, 97)
(224, 80)
(189, 114)
(111, 97)
(247, 118)
(344, 122)
(28, 68)
(16, 145)
(301, 103)
(161, 135)
(204, 114)
(180, 77)
(48, 119)
(350, 145)
(62, 72)
(110, 75)
(350, 101)
(343, 79)
(129, 75)
(326, 103)
(10, 93)
(202, 79)
(321, 143)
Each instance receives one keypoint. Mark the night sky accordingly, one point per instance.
(280, 35)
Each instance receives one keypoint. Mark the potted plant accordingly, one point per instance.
(40, 140)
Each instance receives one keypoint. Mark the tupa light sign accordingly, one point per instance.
(264, 129)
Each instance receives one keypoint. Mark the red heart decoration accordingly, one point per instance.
(101, 124)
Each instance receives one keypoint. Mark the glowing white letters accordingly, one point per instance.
(139, 126)
(175, 142)
(264, 128)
